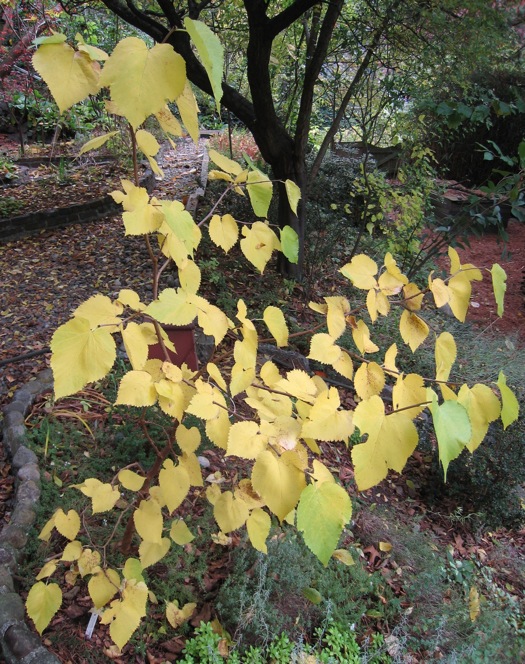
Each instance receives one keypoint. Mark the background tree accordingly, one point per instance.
(362, 31)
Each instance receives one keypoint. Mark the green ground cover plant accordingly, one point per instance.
(271, 424)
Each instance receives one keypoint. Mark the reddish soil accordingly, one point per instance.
(483, 252)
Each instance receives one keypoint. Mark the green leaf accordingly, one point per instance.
(510, 407)
(453, 430)
(312, 595)
(323, 511)
(260, 191)
(499, 277)
(210, 52)
(290, 244)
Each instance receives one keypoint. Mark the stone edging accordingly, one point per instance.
(19, 644)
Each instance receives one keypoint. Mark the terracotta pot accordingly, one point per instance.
(183, 338)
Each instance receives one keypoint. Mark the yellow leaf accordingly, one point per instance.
(278, 481)
(409, 391)
(147, 143)
(135, 344)
(140, 216)
(182, 225)
(377, 303)
(338, 309)
(130, 480)
(413, 330)
(137, 389)
(80, 355)
(386, 547)
(499, 277)
(344, 365)
(413, 297)
(43, 601)
(321, 473)
(188, 439)
(174, 483)
(510, 407)
(190, 277)
(298, 384)
(361, 336)
(258, 244)
(103, 586)
(89, 562)
(325, 421)
(224, 231)
(268, 405)
(361, 271)
(180, 533)
(68, 524)
(141, 81)
(211, 319)
(70, 75)
(188, 109)
(389, 364)
(72, 551)
(445, 354)
(148, 521)
(323, 349)
(190, 463)
(245, 440)
(100, 310)
(391, 440)
(46, 531)
(96, 142)
(168, 122)
(274, 319)
(151, 552)
(103, 496)
(258, 526)
(213, 493)
(246, 492)
(440, 291)
(460, 291)
(473, 603)
(47, 570)
(175, 616)
(483, 407)
(124, 615)
(369, 380)
(172, 308)
(218, 429)
(225, 164)
(294, 194)
(93, 52)
(283, 433)
(241, 379)
(230, 512)
(343, 556)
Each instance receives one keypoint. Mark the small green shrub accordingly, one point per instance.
(267, 595)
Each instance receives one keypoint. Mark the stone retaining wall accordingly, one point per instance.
(19, 644)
